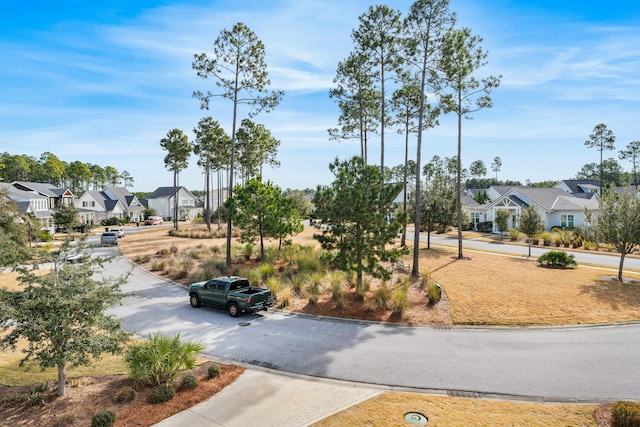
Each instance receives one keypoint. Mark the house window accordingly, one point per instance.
(566, 221)
(475, 217)
(90, 204)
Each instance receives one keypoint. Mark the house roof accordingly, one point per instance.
(549, 199)
(570, 203)
(164, 192)
(125, 197)
(580, 185)
(45, 189)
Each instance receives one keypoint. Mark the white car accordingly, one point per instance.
(119, 232)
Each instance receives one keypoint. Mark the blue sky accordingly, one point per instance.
(103, 82)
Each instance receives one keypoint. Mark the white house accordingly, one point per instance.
(561, 206)
(94, 206)
(162, 200)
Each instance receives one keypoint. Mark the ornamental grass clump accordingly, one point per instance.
(399, 301)
(625, 414)
(382, 296)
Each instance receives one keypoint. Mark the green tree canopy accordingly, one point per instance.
(13, 232)
(502, 220)
(65, 217)
(462, 56)
(261, 212)
(178, 150)
(616, 222)
(240, 71)
(61, 315)
(256, 147)
(531, 223)
(356, 212)
(603, 139)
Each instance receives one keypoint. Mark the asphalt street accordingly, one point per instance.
(583, 363)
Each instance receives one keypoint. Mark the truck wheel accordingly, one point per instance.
(233, 309)
(195, 301)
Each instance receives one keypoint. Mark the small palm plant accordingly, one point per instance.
(158, 360)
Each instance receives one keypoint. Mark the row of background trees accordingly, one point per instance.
(48, 168)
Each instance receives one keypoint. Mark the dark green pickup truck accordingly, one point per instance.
(231, 293)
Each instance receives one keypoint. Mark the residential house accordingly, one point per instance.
(94, 206)
(133, 208)
(39, 195)
(56, 196)
(162, 200)
(562, 206)
(31, 203)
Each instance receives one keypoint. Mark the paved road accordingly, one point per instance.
(582, 257)
(557, 364)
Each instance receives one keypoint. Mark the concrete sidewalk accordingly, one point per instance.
(263, 399)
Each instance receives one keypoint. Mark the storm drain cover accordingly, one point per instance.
(244, 324)
(415, 418)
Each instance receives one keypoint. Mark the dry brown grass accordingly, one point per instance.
(389, 409)
(484, 289)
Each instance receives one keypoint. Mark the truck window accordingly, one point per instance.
(220, 287)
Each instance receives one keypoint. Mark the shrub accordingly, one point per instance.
(44, 236)
(425, 279)
(267, 270)
(546, 238)
(399, 303)
(125, 394)
(142, 259)
(313, 287)
(284, 297)
(434, 291)
(625, 414)
(248, 251)
(296, 283)
(307, 262)
(557, 259)
(189, 382)
(104, 418)
(273, 284)
(213, 371)
(159, 360)
(382, 296)
(35, 395)
(162, 393)
(337, 293)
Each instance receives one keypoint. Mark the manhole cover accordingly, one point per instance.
(415, 418)
(244, 324)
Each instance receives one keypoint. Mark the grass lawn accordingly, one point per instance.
(389, 409)
(484, 289)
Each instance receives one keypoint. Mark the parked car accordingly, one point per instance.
(119, 232)
(109, 238)
(153, 220)
(231, 293)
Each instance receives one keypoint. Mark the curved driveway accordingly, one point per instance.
(556, 364)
